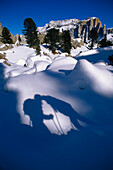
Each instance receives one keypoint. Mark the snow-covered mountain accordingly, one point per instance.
(77, 28)
(61, 24)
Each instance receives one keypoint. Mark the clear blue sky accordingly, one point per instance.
(13, 13)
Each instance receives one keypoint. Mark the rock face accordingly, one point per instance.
(12, 36)
(84, 27)
(78, 29)
(110, 31)
(1, 28)
(6, 47)
(23, 40)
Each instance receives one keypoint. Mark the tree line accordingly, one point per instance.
(53, 38)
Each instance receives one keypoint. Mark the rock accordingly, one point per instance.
(110, 31)
(6, 47)
(23, 40)
(2, 56)
(1, 28)
(41, 37)
(104, 29)
(77, 28)
(17, 43)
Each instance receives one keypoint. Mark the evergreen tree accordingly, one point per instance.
(30, 32)
(66, 41)
(52, 37)
(104, 42)
(93, 36)
(6, 36)
(37, 46)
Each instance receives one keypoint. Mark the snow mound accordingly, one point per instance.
(41, 65)
(13, 73)
(29, 63)
(101, 63)
(21, 62)
(63, 63)
(30, 71)
(88, 75)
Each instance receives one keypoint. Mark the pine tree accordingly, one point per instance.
(6, 36)
(93, 36)
(52, 37)
(30, 32)
(66, 41)
(104, 42)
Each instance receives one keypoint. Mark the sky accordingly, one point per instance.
(13, 13)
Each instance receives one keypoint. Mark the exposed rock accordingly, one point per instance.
(23, 40)
(1, 28)
(2, 56)
(110, 31)
(41, 37)
(104, 29)
(6, 47)
(77, 28)
(13, 38)
(17, 43)
(76, 43)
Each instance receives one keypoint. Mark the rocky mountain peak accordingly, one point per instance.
(79, 29)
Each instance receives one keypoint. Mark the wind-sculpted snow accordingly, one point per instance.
(64, 63)
(88, 75)
(56, 112)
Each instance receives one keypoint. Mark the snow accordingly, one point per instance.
(41, 65)
(78, 50)
(99, 80)
(110, 37)
(56, 112)
(96, 55)
(21, 62)
(61, 25)
(61, 64)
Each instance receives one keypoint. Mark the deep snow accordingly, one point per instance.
(56, 112)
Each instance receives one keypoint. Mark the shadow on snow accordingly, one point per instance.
(25, 147)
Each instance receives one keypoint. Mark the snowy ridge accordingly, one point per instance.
(61, 24)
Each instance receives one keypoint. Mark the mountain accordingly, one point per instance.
(79, 30)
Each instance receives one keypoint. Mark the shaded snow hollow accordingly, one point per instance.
(56, 112)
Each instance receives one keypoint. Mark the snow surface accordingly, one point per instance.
(110, 37)
(56, 112)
